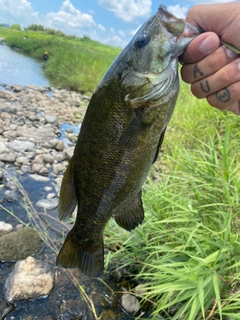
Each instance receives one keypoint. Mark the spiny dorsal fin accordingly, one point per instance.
(131, 213)
(67, 198)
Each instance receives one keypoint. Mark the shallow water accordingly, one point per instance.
(17, 68)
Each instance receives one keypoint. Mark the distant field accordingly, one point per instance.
(76, 64)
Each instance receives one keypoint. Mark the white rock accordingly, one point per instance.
(30, 279)
(48, 204)
(51, 195)
(5, 228)
(35, 87)
(130, 303)
(3, 148)
(21, 146)
(37, 177)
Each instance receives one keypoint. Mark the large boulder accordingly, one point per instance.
(30, 279)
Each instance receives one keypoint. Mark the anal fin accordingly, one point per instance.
(131, 213)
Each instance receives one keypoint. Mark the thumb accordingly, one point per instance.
(222, 19)
(200, 47)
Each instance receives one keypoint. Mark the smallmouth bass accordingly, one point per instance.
(120, 139)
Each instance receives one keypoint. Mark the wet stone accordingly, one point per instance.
(48, 204)
(30, 279)
(11, 185)
(38, 177)
(11, 196)
(5, 228)
(36, 167)
(130, 303)
(25, 168)
(109, 315)
(43, 171)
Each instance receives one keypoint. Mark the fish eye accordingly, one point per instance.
(142, 41)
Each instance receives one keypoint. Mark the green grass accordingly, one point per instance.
(76, 64)
(186, 253)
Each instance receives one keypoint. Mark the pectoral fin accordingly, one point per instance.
(159, 144)
(67, 198)
(131, 213)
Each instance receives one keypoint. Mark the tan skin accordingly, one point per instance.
(213, 70)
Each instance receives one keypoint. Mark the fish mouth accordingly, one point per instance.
(173, 25)
(179, 28)
(165, 15)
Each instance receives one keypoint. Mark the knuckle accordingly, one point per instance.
(196, 90)
(216, 60)
(225, 76)
(235, 92)
(185, 72)
(212, 101)
(193, 11)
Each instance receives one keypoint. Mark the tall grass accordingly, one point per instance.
(187, 251)
(186, 255)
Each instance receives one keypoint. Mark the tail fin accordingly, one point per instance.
(88, 256)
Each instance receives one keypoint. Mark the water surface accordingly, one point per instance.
(17, 68)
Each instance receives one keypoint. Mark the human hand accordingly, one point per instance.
(213, 71)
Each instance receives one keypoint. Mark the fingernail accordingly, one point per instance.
(231, 54)
(208, 45)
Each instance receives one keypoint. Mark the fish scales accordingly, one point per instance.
(120, 139)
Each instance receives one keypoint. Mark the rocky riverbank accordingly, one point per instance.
(30, 127)
(35, 146)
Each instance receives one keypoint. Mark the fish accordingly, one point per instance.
(120, 139)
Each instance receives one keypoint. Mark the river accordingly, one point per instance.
(17, 68)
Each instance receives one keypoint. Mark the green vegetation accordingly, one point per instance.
(186, 253)
(15, 26)
(74, 63)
